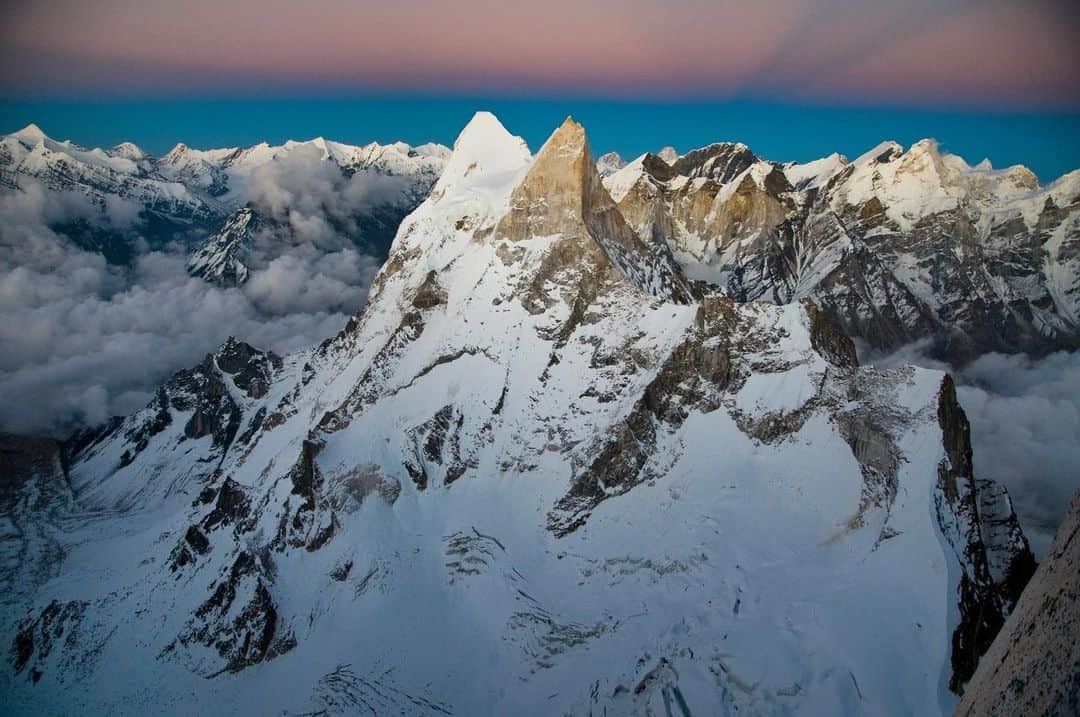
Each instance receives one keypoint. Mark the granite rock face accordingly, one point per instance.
(1033, 666)
(896, 246)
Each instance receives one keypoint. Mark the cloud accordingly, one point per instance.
(318, 201)
(1025, 429)
(122, 213)
(1025, 419)
(84, 340)
(305, 281)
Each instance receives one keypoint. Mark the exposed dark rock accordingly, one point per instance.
(196, 540)
(834, 345)
(879, 462)
(692, 377)
(251, 369)
(418, 475)
(992, 550)
(430, 294)
(439, 449)
(341, 572)
(776, 182)
(158, 418)
(254, 424)
(37, 637)
(364, 480)
(203, 392)
(373, 382)
(242, 634)
(658, 168)
(1033, 665)
(308, 520)
(231, 506)
(305, 474)
(193, 544)
(720, 162)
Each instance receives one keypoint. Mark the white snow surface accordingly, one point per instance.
(734, 582)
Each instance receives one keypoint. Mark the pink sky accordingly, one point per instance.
(998, 53)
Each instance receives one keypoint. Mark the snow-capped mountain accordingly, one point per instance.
(541, 472)
(895, 246)
(201, 197)
(609, 163)
(220, 257)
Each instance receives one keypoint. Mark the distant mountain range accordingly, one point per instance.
(895, 246)
(198, 197)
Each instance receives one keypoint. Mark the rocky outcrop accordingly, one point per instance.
(1033, 665)
(250, 369)
(54, 629)
(220, 259)
(895, 246)
(979, 522)
(239, 621)
(693, 378)
(563, 196)
(720, 162)
(828, 340)
(202, 398)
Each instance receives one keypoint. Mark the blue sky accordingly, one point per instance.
(1047, 142)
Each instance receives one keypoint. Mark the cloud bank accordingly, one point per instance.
(84, 340)
(1025, 429)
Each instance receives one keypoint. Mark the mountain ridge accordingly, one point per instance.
(540, 448)
(896, 246)
(190, 191)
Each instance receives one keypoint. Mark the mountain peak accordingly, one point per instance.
(129, 150)
(669, 154)
(720, 161)
(609, 163)
(927, 145)
(569, 139)
(31, 133)
(565, 161)
(563, 196)
(485, 140)
(484, 154)
(175, 153)
(1022, 177)
(883, 153)
(484, 130)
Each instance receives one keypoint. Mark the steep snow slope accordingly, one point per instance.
(895, 246)
(537, 474)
